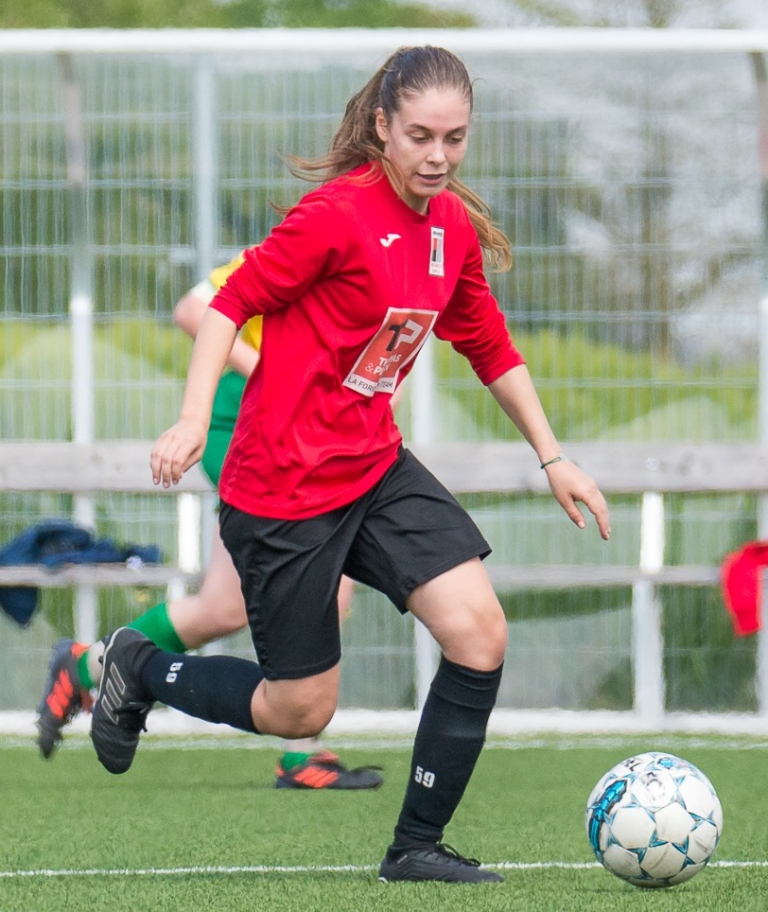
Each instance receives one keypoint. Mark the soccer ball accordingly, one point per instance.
(654, 820)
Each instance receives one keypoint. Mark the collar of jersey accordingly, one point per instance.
(387, 190)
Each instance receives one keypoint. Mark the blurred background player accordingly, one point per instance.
(217, 609)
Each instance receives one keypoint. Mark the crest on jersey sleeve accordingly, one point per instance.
(395, 344)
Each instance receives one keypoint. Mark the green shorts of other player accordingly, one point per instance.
(226, 405)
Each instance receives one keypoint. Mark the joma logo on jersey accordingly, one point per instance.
(395, 344)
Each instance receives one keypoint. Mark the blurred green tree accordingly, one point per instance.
(627, 13)
(227, 14)
(654, 286)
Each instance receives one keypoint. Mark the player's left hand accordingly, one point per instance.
(571, 486)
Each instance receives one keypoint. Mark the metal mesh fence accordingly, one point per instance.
(629, 186)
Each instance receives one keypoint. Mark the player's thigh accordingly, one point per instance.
(220, 590)
(289, 573)
(462, 612)
(346, 593)
(413, 530)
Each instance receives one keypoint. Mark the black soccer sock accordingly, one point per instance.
(448, 742)
(214, 688)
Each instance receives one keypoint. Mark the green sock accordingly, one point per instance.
(291, 759)
(83, 672)
(154, 624)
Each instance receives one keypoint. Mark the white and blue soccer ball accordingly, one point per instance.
(654, 820)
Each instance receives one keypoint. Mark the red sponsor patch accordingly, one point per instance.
(396, 343)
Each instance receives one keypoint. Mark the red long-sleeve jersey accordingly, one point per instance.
(350, 284)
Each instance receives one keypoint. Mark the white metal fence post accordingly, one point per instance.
(204, 138)
(761, 93)
(647, 641)
(81, 320)
(423, 423)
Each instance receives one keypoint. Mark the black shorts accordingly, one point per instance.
(405, 531)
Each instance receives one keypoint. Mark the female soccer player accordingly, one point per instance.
(217, 609)
(317, 483)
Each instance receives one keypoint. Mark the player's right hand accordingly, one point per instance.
(176, 450)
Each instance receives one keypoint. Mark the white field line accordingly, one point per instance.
(403, 723)
(382, 744)
(224, 743)
(236, 741)
(312, 869)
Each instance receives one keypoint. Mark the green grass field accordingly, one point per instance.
(190, 827)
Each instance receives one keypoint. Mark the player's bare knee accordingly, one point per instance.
(232, 618)
(479, 639)
(301, 709)
(497, 630)
(307, 721)
(496, 644)
(487, 652)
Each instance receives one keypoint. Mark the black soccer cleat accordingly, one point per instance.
(437, 862)
(122, 704)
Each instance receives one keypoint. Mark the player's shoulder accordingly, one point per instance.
(342, 203)
(319, 202)
(351, 185)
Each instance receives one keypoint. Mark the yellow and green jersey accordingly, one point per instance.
(251, 331)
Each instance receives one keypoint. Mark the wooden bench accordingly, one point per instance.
(647, 470)
(465, 468)
(84, 470)
(643, 469)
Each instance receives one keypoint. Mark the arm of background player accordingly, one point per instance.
(181, 446)
(188, 315)
(515, 393)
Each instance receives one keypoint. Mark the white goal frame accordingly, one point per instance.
(382, 41)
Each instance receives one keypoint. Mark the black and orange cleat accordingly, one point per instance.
(63, 698)
(323, 770)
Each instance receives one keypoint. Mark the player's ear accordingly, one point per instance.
(381, 125)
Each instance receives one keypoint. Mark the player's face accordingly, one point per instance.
(426, 140)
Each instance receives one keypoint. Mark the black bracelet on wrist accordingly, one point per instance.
(561, 457)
